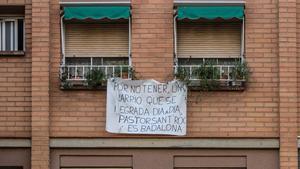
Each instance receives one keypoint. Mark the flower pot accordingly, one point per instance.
(125, 75)
(237, 83)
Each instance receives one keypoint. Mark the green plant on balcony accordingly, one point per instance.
(95, 77)
(126, 72)
(65, 84)
(133, 74)
(183, 74)
(240, 73)
(209, 76)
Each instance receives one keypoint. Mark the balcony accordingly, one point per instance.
(213, 77)
(91, 77)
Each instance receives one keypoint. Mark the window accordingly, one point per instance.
(95, 44)
(11, 35)
(209, 45)
(209, 39)
(206, 42)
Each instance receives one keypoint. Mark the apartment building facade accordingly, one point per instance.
(53, 115)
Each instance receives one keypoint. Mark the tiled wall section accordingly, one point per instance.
(152, 38)
(14, 2)
(15, 85)
(288, 83)
(252, 113)
(298, 61)
(40, 84)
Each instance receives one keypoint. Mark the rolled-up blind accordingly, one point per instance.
(96, 40)
(209, 39)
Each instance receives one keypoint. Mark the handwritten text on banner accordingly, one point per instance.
(146, 107)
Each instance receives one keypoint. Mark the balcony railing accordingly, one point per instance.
(219, 72)
(80, 72)
(213, 77)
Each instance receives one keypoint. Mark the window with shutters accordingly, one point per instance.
(106, 40)
(11, 35)
(209, 40)
(210, 50)
(96, 46)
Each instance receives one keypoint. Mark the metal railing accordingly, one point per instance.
(80, 72)
(219, 72)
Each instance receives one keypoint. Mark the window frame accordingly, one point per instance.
(242, 43)
(64, 66)
(14, 33)
(226, 81)
(63, 40)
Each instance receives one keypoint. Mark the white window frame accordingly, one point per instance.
(14, 33)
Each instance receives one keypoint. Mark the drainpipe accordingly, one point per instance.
(129, 39)
(243, 41)
(175, 43)
(62, 33)
(129, 47)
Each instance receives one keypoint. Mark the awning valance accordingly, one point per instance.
(96, 12)
(210, 12)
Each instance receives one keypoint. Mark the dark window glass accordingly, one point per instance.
(8, 37)
(20, 34)
(115, 61)
(78, 61)
(96, 61)
(1, 37)
(199, 61)
(10, 167)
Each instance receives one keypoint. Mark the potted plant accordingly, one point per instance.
(183, 75)
(132, 74)
(224, 73)
(65, 83)
(125, 72)
(209, 76)
(240, 74)
(95, 77)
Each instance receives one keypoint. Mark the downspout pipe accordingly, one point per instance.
(243, 41)
(129, 39)
(62, 34)
(130, 75)
(175, 42)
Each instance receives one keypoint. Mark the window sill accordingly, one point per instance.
(12, 53)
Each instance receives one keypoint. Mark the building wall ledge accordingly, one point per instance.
(93, 2)
(164, 143)
(209, 2)
(15, 143)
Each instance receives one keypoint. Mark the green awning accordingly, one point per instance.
(210, 12)
(97, 12)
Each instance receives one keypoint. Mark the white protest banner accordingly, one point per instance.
(146, 107)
